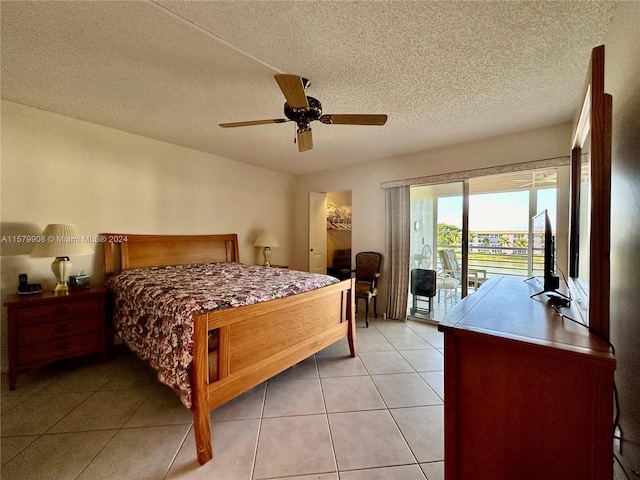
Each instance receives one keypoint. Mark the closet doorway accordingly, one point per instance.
(330, 233)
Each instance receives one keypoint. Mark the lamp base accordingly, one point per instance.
(60, 268)
(267, 256)
(61, 288)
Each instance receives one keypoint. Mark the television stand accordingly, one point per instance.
(525, 391)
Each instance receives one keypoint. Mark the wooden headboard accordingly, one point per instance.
(125, 251)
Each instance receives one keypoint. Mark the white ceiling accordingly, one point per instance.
(444, 72)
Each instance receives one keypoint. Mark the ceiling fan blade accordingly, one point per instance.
(292, 89)
(305, 140)
(254, 122)
(353, 119)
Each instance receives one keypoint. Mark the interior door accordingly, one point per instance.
(318, 232)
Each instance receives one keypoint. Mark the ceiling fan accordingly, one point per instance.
(303, 110)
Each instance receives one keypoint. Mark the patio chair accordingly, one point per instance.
(451, 267)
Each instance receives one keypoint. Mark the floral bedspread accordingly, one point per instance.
(154, 307)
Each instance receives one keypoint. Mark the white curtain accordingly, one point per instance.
(398, 244)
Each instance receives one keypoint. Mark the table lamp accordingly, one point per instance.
(59, 241)
(266, 239)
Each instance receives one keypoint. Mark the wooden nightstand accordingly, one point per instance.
(44, 328)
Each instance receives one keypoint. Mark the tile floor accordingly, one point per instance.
(377, 416)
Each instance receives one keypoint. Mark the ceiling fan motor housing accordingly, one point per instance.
(303, 116)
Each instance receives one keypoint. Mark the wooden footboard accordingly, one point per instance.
(259, 341)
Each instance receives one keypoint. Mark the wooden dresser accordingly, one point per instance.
(44, 328)
(528, 394)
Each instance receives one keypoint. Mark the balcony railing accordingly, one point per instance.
(498, 260)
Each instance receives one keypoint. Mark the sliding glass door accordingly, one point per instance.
(436, 224)
(495, 239)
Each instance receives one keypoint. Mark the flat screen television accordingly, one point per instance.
(543, 244)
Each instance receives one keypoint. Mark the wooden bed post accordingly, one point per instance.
(351, 318)
(200, 406)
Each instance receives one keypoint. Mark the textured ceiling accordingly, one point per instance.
(444, 72)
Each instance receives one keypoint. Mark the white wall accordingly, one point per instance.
(622, 81)
(56, 169)
(368, 198)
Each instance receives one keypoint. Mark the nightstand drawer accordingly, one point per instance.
(55, 330)
(44, 352)
(51, 313)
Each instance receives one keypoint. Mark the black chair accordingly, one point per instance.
(341, 267)
(367, 273)
(423, 284)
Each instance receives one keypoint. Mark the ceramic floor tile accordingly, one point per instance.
(10, 401)
(161, 407)
(433, 471)
(340, 366)
(290, 446)
(368, 440)
(407, 341)
(423, 428)
(436, 339)
(122, 456)
(293, 397)
(406, 472)
(405, 390)
(87, 376)
(12, 446)
(305, 369)
(435, 381)
(385, 362)
(349, 394)
(321, 476)
(136, 375)
(102, 411)
(341, 347)
(374, 343)
(234, 445)
(424, 360)
(245, 406)
(33, 381)
(422, 327)
(389, 327)
(61, 456)
(39, 413)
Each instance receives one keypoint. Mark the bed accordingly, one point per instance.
(231, 349)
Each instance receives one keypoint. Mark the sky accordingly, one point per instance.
(497, 211)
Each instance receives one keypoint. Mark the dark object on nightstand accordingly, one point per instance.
(26, 288)
(45, 327)
(79, 282)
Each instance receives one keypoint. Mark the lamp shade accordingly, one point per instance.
(61, 240)
(266, 238)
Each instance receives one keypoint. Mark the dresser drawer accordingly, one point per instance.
(44, 352)
(57, 311)
(55, 330)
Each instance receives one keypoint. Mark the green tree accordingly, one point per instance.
(449, 234)
(504, 242)
(521, 242)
